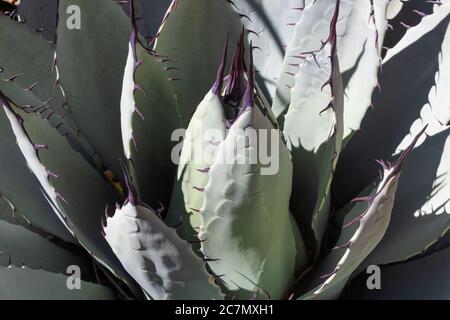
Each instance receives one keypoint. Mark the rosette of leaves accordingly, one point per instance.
(348, 96)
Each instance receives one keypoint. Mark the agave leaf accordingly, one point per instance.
(209, 115)
(203, 135)
(249, 242)
(187, 47)
(361, 34)
(316, 18)
(40, 16)
(270, 24)
(31, 81)
(28, 284)
(21, 247)
(148, 118)
(24, 194)
(91, 62)
(163, 264)
(405, 91)
(75, 191)
(363, 228)
(355, 243)
(313, 128)
(424, 278)
(421, 214)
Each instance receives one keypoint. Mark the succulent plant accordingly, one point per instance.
(326, 152)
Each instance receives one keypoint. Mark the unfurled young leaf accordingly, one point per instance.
(252, 245)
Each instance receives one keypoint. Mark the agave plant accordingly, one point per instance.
(348, 97)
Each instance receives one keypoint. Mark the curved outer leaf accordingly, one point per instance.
(405, 90)
(40, 16)
(421, 213)
(24, 194)
(421, 279)
(370, 221)
(28, 284)
(163, 264)
(425, 177)
(364, 227)
(148, 118)
(251, 241)
(91, 62)
(74, 190)
(271, 25)
(313, 128)
(187, 47)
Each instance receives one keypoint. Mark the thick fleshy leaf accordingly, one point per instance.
(20, 188)
(405, 90)
(424, 278)
(92, 76)
(316, 18)
(198, 154)
(313, 127)
(270, 24)
(28, 284)
(363, 228)
(421, 214)
(30, 79)
(75, 191)
(360, 33)
(187, 47)
(251, 242)
(206, 130)
(148, 119)
(163, 264)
